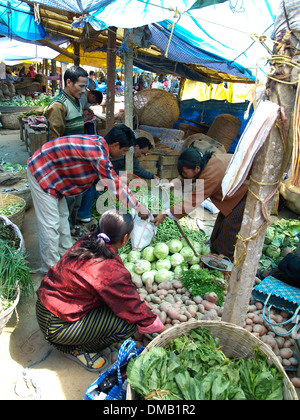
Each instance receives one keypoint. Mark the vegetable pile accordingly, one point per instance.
(14, 272)
(9, 167)
(193, 367)
(284, 233)
(41, 100)
(10, 209)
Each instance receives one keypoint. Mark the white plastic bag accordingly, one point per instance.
(143, 231)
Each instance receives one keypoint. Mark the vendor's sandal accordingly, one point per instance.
(94, 362)
(77, 232)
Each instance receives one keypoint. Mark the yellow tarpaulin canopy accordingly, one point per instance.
(94, 59)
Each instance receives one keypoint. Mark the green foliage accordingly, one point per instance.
(193, 367)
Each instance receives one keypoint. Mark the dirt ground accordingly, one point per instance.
(22, 344)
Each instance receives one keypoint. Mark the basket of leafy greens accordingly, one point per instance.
(208, 360)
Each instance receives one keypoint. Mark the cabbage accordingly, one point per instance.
(197, 246)
(161, 250)
(123, 257)
(269, 235)
(153, 265)
(141, 266)
(148, 275)
(205, 249)
(129, 266)
(166, 263)
(273, 252)
(175, 245)
(176, 259)
(195, 267)
(148, 253)
(194, 260)
(134, 256)
(187, 253)
(163, 275)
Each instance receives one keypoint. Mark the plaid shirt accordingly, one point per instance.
(69, 165)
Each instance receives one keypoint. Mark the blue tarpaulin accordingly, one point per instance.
(205, 113)
(16, 19)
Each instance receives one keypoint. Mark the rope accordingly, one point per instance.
(295, 171)
(177, 13)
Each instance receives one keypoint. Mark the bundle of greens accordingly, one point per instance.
(7, 234)
(203, 281)
(193, 367)
(14, 272)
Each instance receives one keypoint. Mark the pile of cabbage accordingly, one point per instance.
(281, 234)
(164, 261)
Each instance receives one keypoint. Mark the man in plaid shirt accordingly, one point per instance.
(68, 166)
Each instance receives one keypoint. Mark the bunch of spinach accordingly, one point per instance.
(193, 367)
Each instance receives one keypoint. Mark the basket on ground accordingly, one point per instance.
(6, 315)
(156, 107)
(18, 217)
(235, 342)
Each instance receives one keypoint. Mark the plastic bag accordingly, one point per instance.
(143, 231)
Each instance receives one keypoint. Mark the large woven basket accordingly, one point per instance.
(18, 217)
(6, 315)
(156, 107)
(224, 129)
(235, 342)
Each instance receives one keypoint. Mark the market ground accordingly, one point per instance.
(22, 343)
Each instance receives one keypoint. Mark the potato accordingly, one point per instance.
(165, 285)
(182, 318)
(288, 343)
(149, 285)
(197, 299)
(155, 299)
(209, 305)
(192, 309)
(164, 306)
(211, 297)
(286, 362)
(280, 341)
(268, 340)
(252, 308)
(201, 308)
(177, 284)
(286, 353)
(296, 382)
(257, 328)
(173, 313)
(161, 292)
(163, 317)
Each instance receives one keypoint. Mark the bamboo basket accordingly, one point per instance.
(18, 217)
(224, 129)
(156, 107)
(235, 342)
(6, 315)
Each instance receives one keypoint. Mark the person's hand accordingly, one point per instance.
(159, 219)
(143, 212)
(156, 177)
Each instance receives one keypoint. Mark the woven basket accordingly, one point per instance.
(156, 107)
(224, 129)
(235, 342)
(6, 315)
(18, 217)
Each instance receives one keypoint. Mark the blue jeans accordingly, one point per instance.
(88, 198)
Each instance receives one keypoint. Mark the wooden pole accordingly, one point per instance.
(266, 171)
(111, 77)
(129, 97)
